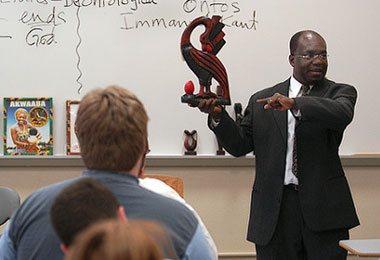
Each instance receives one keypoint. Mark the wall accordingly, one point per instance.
(56, 48)
(221, 195)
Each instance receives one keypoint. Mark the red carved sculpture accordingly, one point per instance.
(204, 63)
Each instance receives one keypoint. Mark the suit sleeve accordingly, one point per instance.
(237, 140)
(335, 110)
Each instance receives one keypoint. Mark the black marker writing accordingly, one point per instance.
(23, 1)
(129, 23)
(133, 5)
(205, 6)
(249, 25)
(42, 27)
(77, 52)
(37, 37)
(33, 19)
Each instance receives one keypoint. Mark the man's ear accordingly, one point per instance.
(121, 214)
(138, 169)
(142, 168)
(291, 60)
(142, 171)
(64, 248)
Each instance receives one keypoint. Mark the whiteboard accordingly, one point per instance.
(64, 48)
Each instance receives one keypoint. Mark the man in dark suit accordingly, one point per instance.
(301, 202)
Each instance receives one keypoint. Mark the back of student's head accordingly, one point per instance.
(79, 205)
(114, 240)
(111, 127)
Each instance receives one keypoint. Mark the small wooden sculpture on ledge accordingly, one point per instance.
(220, 150)
(238, 113)
(190, 142)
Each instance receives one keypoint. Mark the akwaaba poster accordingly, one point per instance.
(28, 126)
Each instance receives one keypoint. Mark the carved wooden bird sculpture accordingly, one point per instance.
(204, 63)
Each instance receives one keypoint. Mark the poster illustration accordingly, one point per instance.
(28, 126)
(72, 144)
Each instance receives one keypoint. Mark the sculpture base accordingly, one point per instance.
(220, 152)
(190, 153)
(194, 100)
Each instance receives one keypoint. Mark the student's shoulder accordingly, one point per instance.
(162, 208)
(159, 194)
(49, 192)
(160, 187)
(41, 199)
(34, 211)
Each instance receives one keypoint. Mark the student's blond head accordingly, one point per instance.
(115, 240)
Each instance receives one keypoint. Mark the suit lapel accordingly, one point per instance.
(281, 117)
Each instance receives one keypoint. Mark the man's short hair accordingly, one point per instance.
(293, 44)
(111, 127)
(79, 205)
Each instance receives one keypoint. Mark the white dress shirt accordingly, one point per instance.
(162, 188)
(294, 91)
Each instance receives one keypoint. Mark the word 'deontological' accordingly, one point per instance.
(132, 5)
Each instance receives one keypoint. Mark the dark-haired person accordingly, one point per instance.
(301, 202)
(111, 127)
(80, 205)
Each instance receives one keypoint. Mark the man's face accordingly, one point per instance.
(309, 61)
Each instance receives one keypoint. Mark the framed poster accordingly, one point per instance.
(28, 126)
(72, 144)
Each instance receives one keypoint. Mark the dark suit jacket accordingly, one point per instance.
(325, 197)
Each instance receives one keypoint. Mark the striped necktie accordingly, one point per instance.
(305, 90)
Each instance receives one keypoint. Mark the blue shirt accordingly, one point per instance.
(30, 235)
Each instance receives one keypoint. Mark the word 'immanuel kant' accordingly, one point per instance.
(129, 23)
(28, 103)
